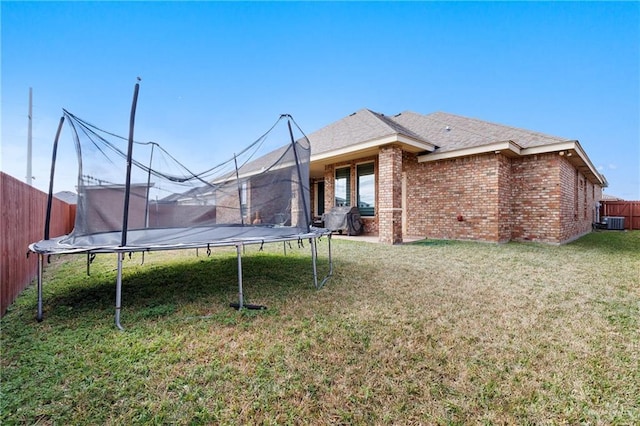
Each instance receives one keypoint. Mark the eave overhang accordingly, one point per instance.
(367, 148)
(571, 150)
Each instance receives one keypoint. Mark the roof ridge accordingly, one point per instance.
(396, 127)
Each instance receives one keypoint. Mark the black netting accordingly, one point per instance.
(266, 184)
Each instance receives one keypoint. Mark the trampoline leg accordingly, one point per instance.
(324, 280)
(40, 268)
(314, 258)
(119, 291)
(240, 296)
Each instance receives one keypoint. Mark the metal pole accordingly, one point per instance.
(307, 216)
(29, 139)
(314, 257)
(146, 207)
(239, 190)
(240, 295)
(47, 220)
(127, 189)
(119, 291)
(40, 268)
(330, 267)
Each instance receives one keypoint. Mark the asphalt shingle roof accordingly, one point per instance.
(447, 131)
(451, 132)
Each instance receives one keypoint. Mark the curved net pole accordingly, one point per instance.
(235, 161)
(307, 216)
(127, 189)
(47, 221)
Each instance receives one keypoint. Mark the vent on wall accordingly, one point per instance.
(614, 222)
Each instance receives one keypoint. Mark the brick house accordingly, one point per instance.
(445, 176)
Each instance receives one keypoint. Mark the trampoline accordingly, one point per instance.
(136, 197)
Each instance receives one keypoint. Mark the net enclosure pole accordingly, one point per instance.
(47, 221)
(127, 189)
(235, 161)
(307, 216)
(146, 206)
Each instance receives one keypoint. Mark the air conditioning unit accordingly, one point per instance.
(614, 222)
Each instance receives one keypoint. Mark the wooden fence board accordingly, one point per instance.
(630, 210)
(22, 213)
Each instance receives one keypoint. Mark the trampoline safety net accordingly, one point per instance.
(263, 187)
(135, 196)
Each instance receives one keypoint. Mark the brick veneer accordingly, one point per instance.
(457, 198)
(390, 194)
(499, 198)
(487, 197)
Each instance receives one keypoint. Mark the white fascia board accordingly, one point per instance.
(465, 152)
(573, 145)
(555, 147)
(374, 143)
(587, 161)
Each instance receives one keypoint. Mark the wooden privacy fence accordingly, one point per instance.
(23, 209)
(630, 210)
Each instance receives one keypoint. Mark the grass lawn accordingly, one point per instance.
(433, 332)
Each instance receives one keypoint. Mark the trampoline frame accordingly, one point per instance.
(239, 245)
(145, 244)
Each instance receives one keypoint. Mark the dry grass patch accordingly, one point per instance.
(438, 333)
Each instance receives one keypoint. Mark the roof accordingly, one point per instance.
(67, 196)
(451, 132)
(434, 136)
(609, 197)
(445, 131)
(359, 128)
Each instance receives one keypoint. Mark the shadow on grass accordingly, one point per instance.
(197, 284)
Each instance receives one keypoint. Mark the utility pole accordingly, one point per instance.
(29, 174)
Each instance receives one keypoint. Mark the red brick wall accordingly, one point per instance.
(505, 182)
(390, 194)
(487, 197)
(579, 201)
(536, 198)
(455, 199)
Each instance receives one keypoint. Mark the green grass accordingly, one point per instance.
(425, 333)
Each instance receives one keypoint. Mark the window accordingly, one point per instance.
(575, 196)
(366, 189)
(343, 187)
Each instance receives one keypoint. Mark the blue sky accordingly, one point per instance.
(215, 76)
